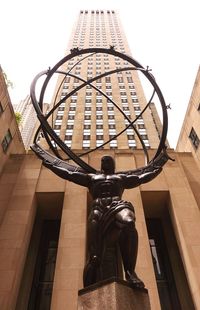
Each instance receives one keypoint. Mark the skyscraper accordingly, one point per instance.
(90, 119)
(28, 121)
(43, 243)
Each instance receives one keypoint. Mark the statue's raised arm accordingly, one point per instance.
(133, 178)
(61, 168)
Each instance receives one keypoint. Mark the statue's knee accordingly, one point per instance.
(126, 218)
(130, 223)
(127, 222)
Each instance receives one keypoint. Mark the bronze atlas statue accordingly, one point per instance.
(111, 221)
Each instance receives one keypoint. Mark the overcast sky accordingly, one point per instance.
(162, 34)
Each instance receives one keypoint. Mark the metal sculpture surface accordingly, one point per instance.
(112, 220)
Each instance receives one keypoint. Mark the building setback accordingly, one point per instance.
(43, 218)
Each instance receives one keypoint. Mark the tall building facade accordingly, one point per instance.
(88, 119)
(189, 139)
(28, 121)
(43, 239)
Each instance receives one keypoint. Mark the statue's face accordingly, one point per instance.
(107, 165)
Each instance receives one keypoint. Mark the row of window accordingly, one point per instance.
(97, 12)
(107, 79)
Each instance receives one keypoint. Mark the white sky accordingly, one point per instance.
(162, 34)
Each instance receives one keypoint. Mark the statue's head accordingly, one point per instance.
(107, 165)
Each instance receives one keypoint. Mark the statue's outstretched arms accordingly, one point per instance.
(133, 180)
(154, 164)
(62, 168)
(77, 177)
(148, 176)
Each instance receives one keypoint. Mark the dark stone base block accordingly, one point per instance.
(113, 294)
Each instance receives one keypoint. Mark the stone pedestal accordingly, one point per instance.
(113, 294)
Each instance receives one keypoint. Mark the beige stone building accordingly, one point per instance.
(189, 139)
(44, 218)
(11, 141)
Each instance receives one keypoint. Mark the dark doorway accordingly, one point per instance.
(40, 297)
(172, 283)
(164, 277)
(37, 280)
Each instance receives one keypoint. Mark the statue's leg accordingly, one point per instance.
(92, 265)
(128, 242)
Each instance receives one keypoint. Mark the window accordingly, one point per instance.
(68, 137)
(86, 137)
(59, 117)
(57, 126)
(76, 80)
(137, 109)
(141, 126)
(61, 109)
(125, 108)
(144, 137)
(87, 126)
(1, 108)
(99, 126)
(194, 138)
(120, 79)
(6, 140)
(70, 126)
(87, 117)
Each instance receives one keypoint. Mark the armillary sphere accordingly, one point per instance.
(54, 141)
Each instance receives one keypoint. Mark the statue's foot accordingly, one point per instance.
(133, 279)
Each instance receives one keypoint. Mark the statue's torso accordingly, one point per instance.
(106, 186)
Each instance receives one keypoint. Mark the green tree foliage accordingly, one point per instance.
(18, 117)
(8, 82)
